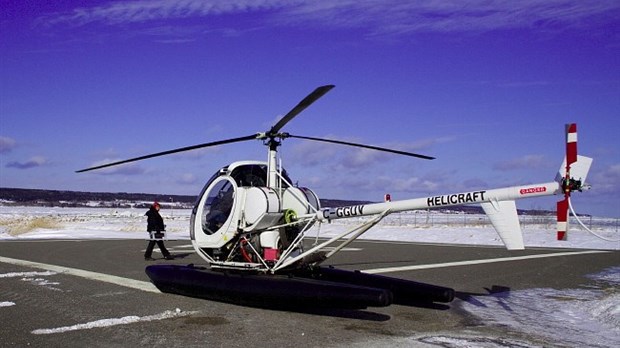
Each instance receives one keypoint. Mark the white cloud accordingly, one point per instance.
(122, 169)
(311, 153)
(146, 10)
(447, 16)
(523, 162)
(360, 158)
(34, 162)
(376, 16)
(606, 181)
(347, 158)
(7, 144)
(187, 179)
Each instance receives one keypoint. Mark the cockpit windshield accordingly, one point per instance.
(217, 206)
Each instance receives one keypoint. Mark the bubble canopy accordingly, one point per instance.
(215, 206)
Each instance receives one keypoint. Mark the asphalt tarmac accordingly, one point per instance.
(96, 294)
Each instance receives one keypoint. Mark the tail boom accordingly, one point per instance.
(498, 204)
(472, 197)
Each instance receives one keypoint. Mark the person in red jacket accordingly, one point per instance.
(155, 226)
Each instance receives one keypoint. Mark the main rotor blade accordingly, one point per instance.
(309, 99)
(169, 152)
(363, 146)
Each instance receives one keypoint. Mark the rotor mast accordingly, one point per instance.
(272, 163)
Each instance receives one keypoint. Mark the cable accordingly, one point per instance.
(570, 205)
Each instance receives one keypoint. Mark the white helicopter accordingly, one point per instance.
(249, 224)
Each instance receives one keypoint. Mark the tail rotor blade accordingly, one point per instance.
(362, 146)
(307, 101)
(567, 186)
(571, 143)
(169, 152)
(562, 218)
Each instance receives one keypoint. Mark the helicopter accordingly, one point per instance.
(249, 223)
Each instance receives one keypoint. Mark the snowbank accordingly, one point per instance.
(130, 223)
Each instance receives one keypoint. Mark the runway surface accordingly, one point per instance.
(95, 293)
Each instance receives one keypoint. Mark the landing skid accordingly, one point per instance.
(318, 287)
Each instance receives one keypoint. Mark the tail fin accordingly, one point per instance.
(572, 176)
(503, 216)
(579, 169)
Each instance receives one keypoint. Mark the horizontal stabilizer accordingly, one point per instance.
(503, 216)
(578, 170)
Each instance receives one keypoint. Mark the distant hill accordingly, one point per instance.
(55, 198)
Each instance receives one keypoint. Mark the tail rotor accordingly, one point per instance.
(572, 177)
(571, 157)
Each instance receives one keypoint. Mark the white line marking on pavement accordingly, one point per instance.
(114, 321)
(478, 262)
(26, 274)
(126, 282)
(343, 249)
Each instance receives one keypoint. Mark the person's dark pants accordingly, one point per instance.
(160, 244)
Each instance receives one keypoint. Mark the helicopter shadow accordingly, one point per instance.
(345, 313)
(181, 256)
(425, 305)
(357, 314)
(498, 292)
(373, 264)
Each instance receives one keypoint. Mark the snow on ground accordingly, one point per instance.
(85, 223)
(130, 223)
(585, 317)
(588, 316)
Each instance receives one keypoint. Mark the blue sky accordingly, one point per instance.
(484, 86)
